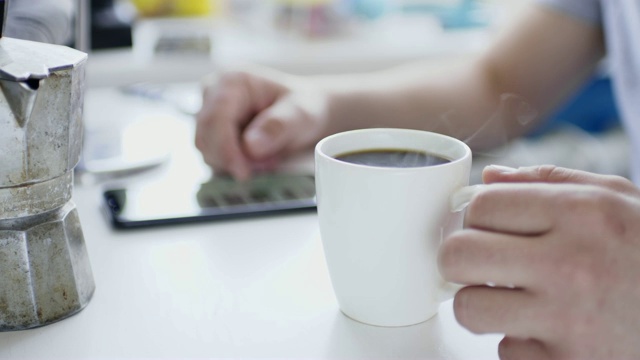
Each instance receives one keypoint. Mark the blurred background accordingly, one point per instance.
(302, 36)
(157, 51)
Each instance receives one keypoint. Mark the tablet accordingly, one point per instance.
(218, 199)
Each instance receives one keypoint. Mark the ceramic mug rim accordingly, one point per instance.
(462, 148)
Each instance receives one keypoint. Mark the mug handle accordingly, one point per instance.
(457, 203)
(462, 197)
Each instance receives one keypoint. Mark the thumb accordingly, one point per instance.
(270, 132)
(554, 174)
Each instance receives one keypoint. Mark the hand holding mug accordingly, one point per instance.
(551, 258)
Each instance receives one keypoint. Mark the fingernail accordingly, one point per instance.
(503, 169)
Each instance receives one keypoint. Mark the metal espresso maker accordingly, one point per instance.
(45, 274)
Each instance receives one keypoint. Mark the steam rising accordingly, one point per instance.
(512, 109)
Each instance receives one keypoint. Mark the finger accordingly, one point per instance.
(265, 136)
(475, 257)
(231, 154)
(486, 310)
(273, 131)
(554, 174)
(217, 136)
(511, 348)
(525, 209)
(221, 151)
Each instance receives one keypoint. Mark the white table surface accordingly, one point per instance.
(230, 289)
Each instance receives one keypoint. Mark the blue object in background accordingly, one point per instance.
(592, 109)
(466, 14)
(369, 9)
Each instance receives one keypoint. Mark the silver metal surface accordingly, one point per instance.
(37, 198)
(22, 60)
(40, 126)
(83, 25)
(45, 275)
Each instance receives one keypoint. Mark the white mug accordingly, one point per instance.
(381, 227)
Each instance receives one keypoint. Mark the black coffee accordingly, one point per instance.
(396, 158)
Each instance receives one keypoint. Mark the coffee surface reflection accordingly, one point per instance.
(396, 158)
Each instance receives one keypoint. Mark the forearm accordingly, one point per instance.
(455, 99)
(485, 101)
